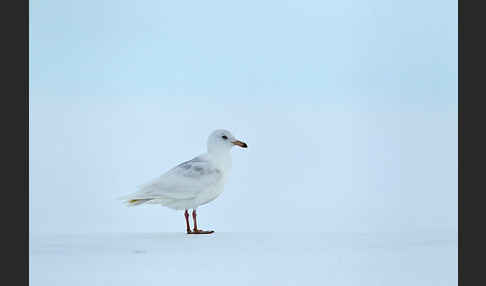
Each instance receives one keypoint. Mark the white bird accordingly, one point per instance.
(192, 183)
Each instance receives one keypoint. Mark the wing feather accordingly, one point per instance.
(184, 181)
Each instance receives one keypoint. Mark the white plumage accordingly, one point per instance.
(194, 182)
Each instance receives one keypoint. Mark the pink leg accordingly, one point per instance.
(194, 219)
(188, 227)
(196, 230)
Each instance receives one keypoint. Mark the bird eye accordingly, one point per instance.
(224, 137)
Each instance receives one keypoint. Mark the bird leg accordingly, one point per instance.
(188, 227)
(195, 230)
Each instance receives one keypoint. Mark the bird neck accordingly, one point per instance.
(221, 158)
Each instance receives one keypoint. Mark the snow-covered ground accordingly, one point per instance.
(428, 258)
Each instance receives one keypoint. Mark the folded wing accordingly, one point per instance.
(183, 182)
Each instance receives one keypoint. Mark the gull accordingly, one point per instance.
(192, 183)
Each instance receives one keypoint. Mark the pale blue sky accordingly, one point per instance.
(349, 109)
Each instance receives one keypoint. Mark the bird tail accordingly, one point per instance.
(132, 200)
(136, 202)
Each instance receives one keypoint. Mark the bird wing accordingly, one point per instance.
(185, 181)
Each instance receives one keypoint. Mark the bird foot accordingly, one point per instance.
(199, 231)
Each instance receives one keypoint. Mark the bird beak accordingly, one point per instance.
(239, 143)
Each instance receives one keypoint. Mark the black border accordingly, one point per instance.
(14, 118)
(471, 143)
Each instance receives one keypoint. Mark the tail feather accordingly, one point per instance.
(136, 202)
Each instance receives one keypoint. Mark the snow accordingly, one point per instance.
(413, 258)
